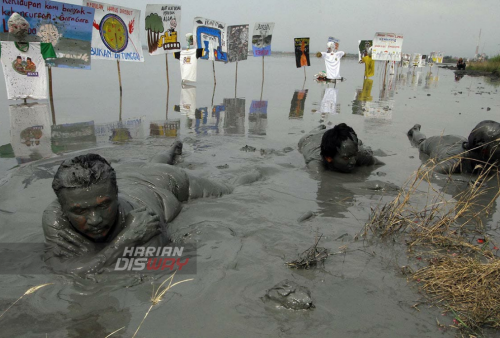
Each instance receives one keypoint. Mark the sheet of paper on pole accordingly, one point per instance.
(261, 38)
(162, 28)
(211, 35)
(238, 42)
(387, 46)
(116, 34)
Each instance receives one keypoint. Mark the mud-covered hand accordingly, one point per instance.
(141, 225)
(68, 243)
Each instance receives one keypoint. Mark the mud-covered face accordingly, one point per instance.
(18, 27)
(345, 158)
(91, 211)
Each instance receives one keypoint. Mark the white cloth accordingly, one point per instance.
(332, 63)
(24, 81)
(188, 101)
(189, 64)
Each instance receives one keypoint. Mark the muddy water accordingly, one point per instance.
(243, 239)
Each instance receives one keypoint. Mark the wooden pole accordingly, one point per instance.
(168, 84)
(262, 87)
(120, 82)
(305, 73)
(213, 64)
(51, 97)
(385, 72)
(236, 80)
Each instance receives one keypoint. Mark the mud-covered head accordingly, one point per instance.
(18, 27)
(339, 148)
(87, 191)
(484, 141)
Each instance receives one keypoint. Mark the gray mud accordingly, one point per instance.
(245, 239)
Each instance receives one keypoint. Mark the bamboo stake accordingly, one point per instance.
(262, 87)
(213, 64)
(120, 82)
(305, 73)
(168, 84)
(51, 97)
(385, 72)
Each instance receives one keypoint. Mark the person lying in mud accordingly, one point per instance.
(98, 212)
(456, 154)
(336, 149)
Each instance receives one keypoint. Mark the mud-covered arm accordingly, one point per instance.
(202, 187)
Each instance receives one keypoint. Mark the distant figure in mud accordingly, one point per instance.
(456, 154)
(99, 212)
(461, 64)
(336, 149)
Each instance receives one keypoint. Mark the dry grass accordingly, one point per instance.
(310, 258)
(157, 296)
(491, 65)
(463, 273)
(28, 292)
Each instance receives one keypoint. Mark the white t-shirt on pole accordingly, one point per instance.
(24, 71)
(332, 63)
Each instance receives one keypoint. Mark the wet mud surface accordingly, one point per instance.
(244, 239)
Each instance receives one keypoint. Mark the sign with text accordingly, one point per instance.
(161, 28)
(387, 46)
(211, 35)
(116, 33)
(261, 39)
(238, 42)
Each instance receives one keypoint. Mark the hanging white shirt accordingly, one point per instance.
(24, 69)
(189, 63)
(332, 63)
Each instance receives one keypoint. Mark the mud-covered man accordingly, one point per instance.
(99, 212)
(456, 154)
(336, 149)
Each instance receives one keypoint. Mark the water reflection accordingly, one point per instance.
(188, 100)
(119, 131)
(234, 120)
(329, 102)
(364, 105)
(205, 124)
(257, 118)
(164, 128)
(30, 134)
(73, 136)
(298, 103)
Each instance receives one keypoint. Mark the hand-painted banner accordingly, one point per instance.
(238, 42)
(364, 46)
(416, 59)
(67, 27)
(302, 52)
(116, 33)
(161, 28)
(261, 39)
(211, 35)
(387, 46)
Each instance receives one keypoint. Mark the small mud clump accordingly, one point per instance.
(290, 295)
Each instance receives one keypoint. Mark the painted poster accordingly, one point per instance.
(387, 46)
(238, 42)
(67, 27)
(161, 28)
(73, 136)
(116, 33)
(436, 57)
(261, 39)
(302, 52)
(405, 60)
(33, 11)
(257, 118)
(423, 61)
(69, 30)
(211, 35)
(364, 46)
(30, 131)
(298, 104)
(234, 119)
(164, 128)
(415, 59)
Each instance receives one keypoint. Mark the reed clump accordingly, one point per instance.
(490, 65)
(463, 272)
